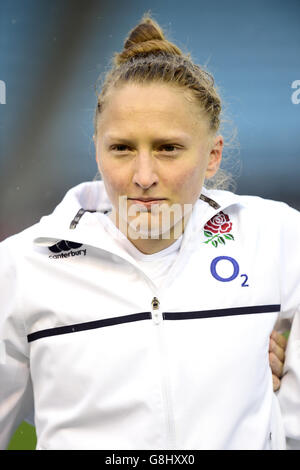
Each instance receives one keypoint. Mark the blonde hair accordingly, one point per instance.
(147, 56)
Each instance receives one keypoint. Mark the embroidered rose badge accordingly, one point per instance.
(217, 229)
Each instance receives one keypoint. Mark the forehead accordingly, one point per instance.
(153, 106)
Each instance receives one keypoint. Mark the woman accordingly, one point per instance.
(92, 295)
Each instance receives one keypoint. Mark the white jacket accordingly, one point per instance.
(108, 361)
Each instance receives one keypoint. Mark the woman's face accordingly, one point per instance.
(152, 142)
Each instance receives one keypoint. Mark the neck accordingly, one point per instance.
(150, 245)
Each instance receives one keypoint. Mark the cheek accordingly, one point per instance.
(114, 178)
(188, 183)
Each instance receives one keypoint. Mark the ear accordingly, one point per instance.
(97, 156)
(95, 143)
(215, 157)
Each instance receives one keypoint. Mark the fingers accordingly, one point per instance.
(276, 383)
(277, 347)
(276, 365)
(277, 350)
(279, 339)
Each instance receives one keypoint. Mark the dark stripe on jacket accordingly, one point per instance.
(147, 316)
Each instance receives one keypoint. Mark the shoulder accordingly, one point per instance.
(13, 250)
(251, 203)
(20, 239)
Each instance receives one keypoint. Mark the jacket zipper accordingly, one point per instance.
(158, 321)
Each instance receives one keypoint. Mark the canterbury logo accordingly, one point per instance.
(66, 246)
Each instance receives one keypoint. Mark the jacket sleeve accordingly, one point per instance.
(289, 392)
(16, 395)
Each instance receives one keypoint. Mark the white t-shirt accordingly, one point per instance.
(157, 265)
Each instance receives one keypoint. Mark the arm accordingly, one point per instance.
(16, 396)
(289, 393)
(289, 318)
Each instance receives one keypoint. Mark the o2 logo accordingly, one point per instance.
(234, 275)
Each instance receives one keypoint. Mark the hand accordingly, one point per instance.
(277, 347)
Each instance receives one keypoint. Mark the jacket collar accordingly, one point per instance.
(78, 217)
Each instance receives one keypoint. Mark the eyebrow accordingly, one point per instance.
(158, 140)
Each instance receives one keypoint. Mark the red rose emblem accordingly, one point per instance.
(220, 223)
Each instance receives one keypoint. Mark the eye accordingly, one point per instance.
(119, 147)
(169, 149)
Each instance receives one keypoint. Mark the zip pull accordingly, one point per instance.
(155, 303)
(156, 316)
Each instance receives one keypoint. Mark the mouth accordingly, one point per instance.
(148, 202)
(146, 199)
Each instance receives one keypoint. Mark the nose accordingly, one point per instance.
(145, 174)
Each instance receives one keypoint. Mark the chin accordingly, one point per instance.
(148, 227)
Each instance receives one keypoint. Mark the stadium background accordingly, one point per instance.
(52, 53)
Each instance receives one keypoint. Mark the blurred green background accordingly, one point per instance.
(24, 438)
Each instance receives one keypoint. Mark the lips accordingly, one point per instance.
(146, 202)
(146, 199)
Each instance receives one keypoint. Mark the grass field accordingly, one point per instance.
(24, 438)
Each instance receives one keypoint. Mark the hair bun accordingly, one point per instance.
(147, 37)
